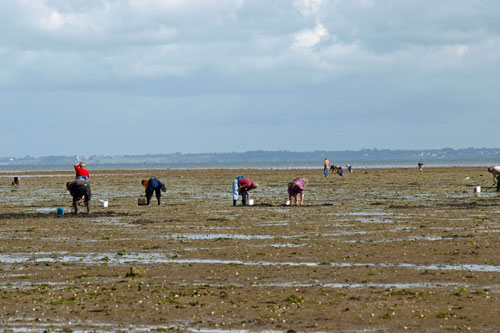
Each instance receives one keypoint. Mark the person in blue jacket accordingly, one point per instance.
(153, 185)
(236, 186)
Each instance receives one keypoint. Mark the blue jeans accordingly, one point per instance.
(244, 196)
(325, 170)
(83, 178)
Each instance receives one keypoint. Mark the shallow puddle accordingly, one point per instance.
(152, 258)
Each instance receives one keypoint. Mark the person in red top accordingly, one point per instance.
(81, 172)
(245, 186)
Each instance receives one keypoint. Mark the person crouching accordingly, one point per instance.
(79, 189)
(153, 185)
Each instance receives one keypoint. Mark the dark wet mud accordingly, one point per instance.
(377, 250)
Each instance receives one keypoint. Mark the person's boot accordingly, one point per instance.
(87, 203)
(244, 202)
(234, 202)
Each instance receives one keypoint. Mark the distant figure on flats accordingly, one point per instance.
(245, 186)
(153, 185)
(334, 168)
(420, 165)
(79, 189)
(496, 176)
(16, 182)
(349, 167)
(326, 167)
(340, 171)
(236, 187)
(81, 172)
(296, 187)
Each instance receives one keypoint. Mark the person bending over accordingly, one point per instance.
(79, 189)
(153, 185)
(246, 185)
(495, 171)
(296, 187)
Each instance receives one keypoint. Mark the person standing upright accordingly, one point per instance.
(236, 187)
(326, 167)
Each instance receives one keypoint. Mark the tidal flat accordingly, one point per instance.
(376, 250)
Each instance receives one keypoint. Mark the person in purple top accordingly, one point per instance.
(340, 171)
(296, 187)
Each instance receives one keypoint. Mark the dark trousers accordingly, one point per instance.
(80, 192)
(498, 183)
(157, 191)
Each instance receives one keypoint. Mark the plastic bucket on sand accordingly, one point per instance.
(142, 201)
(104, 203)
(60, 211)
(250, 202)
(477, 189)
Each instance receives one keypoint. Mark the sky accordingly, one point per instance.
(115, 77)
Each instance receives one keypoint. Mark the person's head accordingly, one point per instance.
(254, 186)
(82, 164)
(143, 182)
(291, 185)
(67, 185)
(490, 169)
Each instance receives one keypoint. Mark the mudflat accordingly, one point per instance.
(379, 249)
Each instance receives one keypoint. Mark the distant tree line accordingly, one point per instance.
(281, 157)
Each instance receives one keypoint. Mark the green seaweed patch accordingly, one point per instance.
(295, 299)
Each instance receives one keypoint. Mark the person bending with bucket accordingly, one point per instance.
(79, 189)
(495, 171)
(246, 185)
(296, 187)
(153, 185)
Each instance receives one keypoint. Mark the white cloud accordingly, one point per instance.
(309, 38)
(308, 7)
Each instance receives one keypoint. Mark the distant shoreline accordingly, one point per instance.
(263, 166)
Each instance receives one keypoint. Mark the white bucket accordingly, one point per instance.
(477, 189)
(104, 203)
(286, 203)
(250, 202)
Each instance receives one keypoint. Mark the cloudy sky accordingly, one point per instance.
(159, 76)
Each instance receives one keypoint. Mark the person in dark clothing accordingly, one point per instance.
(16, 182)
(153, 185)
(79, 189)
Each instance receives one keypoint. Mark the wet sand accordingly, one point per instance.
(380, 249)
